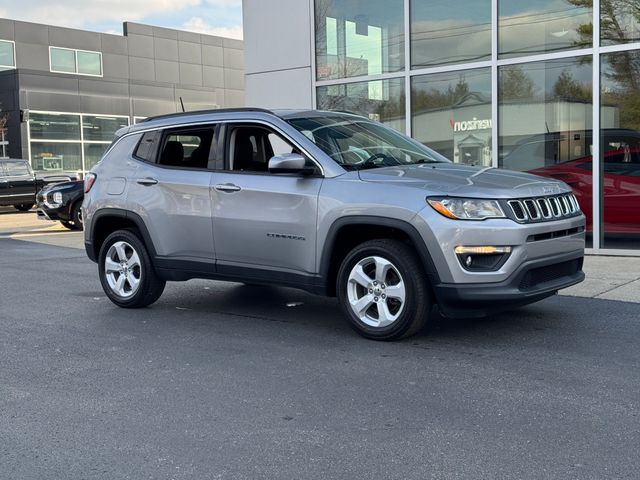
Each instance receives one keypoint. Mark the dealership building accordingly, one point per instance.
(65, 92)
(510, 84)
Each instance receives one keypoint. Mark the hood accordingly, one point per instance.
(465, 181)
(63, 185)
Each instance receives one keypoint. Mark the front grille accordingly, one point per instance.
(540, 209)
(540, 275)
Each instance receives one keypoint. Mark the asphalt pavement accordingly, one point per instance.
(229, 381)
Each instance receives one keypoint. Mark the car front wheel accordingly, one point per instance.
(126, 271)
(383, 290)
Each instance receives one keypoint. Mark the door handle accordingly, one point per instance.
(147, 181)
(227, 187)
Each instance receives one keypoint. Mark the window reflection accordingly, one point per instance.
(619, 21)
(545, 115)
(527, 27)
(452, 114)
(620, 144)
(450, 31)
(379, 100)
(358, 37)
(7, 56)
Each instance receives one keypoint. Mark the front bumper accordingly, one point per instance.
(531, 282)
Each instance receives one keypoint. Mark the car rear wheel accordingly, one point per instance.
(383, 290)
(126, 272)
(24, 207)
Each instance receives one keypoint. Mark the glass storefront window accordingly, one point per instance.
(93, 153)
(545, 122)
(358, 38)
(63, 60)
(619, 21)
(620, 147)
(451, 113)
(89, 63)
(102, 128)
(53, 126)
(7, 55)
(55, 157)
(450, 31)
(528, 27)
(379, 100)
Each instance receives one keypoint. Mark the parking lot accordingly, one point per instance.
(231, 381)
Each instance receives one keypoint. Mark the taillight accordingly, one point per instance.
(89, 179)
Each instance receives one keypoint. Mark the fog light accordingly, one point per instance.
(482, 258)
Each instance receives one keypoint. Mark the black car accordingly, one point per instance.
(62, 202)
(18, 184)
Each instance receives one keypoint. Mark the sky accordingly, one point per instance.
(215, 17)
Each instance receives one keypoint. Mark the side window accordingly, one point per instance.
(187, 148)
(146, 148)
(250, 148)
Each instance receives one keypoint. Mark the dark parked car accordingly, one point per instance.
(18, 184)
(62, 202)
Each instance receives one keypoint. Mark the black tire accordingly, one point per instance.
(24, 207)
(150, 287)
(68, 225)
(411, 314)
(76, 216)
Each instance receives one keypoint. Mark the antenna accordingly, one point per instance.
(182, 104)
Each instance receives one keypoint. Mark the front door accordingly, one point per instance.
(262, 220)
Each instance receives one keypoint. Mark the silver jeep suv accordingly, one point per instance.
(331, 203)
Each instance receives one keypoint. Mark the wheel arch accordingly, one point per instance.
(348, 232)
(106, 221)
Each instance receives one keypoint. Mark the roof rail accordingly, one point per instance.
(202, 112)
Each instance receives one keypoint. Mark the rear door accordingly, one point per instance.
(260, 219)
(170, 192)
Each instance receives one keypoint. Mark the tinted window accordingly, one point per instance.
(187, 148)
(16, 168)
(147, 147)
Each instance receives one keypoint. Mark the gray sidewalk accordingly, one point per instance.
(610, 278)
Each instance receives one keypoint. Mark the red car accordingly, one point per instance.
(621, 184)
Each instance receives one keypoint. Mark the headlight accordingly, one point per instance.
(467, 208)
(57, 198)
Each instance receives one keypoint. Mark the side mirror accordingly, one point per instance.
(289, 163)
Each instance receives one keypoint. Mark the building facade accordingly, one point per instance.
(518, 84)
(65, 92)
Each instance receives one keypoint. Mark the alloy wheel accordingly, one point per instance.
(376, 291)
(122, 269)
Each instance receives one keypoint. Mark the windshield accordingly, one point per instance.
(359, 143)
